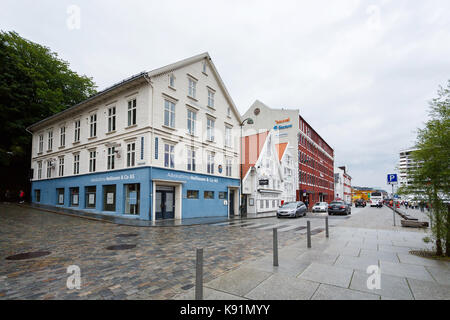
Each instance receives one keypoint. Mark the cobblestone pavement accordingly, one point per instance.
(159, 267)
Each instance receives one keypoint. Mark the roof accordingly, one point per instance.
(133, 80)
(252, 146)
(281, 148)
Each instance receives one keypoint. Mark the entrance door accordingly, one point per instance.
(231, 202)
(165, 203)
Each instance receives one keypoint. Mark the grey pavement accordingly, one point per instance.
(336, 268)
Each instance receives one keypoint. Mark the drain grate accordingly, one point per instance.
(28, 255)
(127, 235)
(121, 247)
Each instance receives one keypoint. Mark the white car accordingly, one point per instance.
(320, 207)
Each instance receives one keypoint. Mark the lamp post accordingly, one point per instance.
(249, 121)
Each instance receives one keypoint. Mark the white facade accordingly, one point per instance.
(289, 171)
(342, 185)
(405, 163)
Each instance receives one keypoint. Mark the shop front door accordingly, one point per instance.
(165, 203)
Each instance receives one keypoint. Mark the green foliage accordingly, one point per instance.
(34, 84)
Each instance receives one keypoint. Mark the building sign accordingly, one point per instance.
(133, 197)
(115, 178)
(192, 177)
(282, 121)
(92, 198)
(264, 182)
(280, 125)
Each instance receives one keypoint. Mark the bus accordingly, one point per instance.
(376, 198)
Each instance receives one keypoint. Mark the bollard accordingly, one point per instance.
(326, 227)
(275, 247)
(199, 275)
(308, 233)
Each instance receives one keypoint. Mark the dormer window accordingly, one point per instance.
(204, 66)
(172, 80)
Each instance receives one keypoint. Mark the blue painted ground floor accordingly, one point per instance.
(143, 193)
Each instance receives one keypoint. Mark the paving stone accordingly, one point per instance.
(343, 251)
(412, 259)
(390, 286)
(380, 255)
(282, 287)
(440, 274)
(327, 274)
(208, 294)
(317, 256)
(328, 292)
(356, 263)
(426, 290)
(405, 270)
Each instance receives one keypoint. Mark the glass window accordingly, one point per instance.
(62, 137)
(192, 194)
(74, 196)
(131, 154)
(191, 121)
(50, 140)
(41, 143)
(37, 195)
(228, 167)
(39, 170)
(208, 195)
(192, 88)
(49, 168)
(169, 113)
(222, 195)
(111, 119)
(210, 98)
(92, 160)
(93, 125)
(109, 198)
(91, 197)
(132, 112)
(111, 153)
(61, 166)
(191, 160)
(132, 198)
(210, 162)
(169, 156)
(77, 131)
(60, 196)
(172, 80)
(76, 164)
(210, 129)
(227, 137)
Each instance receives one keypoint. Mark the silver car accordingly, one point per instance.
(320, 207)
(292, 209)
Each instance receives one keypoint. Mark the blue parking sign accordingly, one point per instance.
(392, 178)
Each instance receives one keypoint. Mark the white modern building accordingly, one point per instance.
(342, 185)
(162, 144)
(268, 173)
(405, 163)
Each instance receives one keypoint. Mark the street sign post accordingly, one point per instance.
(392, 180)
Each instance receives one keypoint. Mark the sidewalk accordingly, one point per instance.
(335, 268)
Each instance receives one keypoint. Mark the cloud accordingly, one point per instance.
(361, 72)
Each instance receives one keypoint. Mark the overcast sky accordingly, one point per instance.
(361, 72)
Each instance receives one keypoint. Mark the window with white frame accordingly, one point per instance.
(39, 171)
(110, 160)
(192, 90)
(210, 129)
(169, 113)
(41, 143)
(229, 112)
(191, 121)
(172, 80)
(131, 154)
(190, 159)
(49, 168)
(228, 166)
(76, 163)
(132, 112)
(111, 119)
(210, 162)
(169, 155)
(77, 131)
(62, 136)
(93, 125)
(92, 160)
(204, 66)
(227, 136)
(50, 140)
(61, 167)
(210, 98)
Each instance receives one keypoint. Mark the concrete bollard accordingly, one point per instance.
(326, 227)
(308, 233)
(275, 247)
(199, 275)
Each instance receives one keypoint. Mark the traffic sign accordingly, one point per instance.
(392, 178)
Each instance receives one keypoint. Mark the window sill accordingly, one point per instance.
(170, 128)
(76, 142)
(212, 108)
(205, 73)
(111, 132)
(172, 88)
(49, 150)
(190, 97)
(130, 127)
(61, 147)
(191, 135)
(92, 138)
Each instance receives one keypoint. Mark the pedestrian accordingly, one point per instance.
(421, 206)
(21, 196)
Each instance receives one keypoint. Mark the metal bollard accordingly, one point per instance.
(326, 227)
(199, 275)
(275, 247)
(308, 233)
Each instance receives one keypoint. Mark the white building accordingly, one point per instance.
(405, 163)
(269, 173)
(342, 185)
(161, 144)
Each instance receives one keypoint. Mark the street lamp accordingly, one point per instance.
(249, 121)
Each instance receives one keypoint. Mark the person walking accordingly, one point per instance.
(21, 196)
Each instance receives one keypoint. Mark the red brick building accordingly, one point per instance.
(315, 165)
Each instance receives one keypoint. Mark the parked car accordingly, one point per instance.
(339, 207)
(360, 203)
(292, 209)
(320, 207)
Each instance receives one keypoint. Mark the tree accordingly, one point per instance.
(430, 177)
(34, 84)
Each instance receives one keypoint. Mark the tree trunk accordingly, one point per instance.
(447, 236)
(438, 216)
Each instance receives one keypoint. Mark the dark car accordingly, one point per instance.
(339, 207)
(292, 209)
(360, 203)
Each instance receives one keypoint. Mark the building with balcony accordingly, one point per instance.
(162, 144)
(405, 164)
(342, 185)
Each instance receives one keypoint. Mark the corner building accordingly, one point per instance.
(162, 144)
